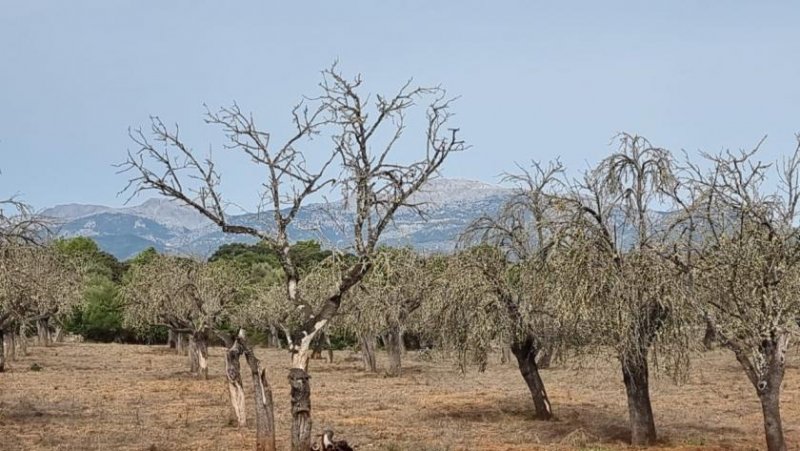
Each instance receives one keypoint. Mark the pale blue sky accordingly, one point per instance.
(537, 79)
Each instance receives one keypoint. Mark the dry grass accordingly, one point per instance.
(104, 397)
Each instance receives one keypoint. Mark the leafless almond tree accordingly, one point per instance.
(744, 260)
(364, 133)
(510, 269)
(636, 300)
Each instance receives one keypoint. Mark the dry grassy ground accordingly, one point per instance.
(105, 397)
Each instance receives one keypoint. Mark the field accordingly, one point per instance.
(107, 396)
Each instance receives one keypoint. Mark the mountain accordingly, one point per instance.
(448, 205)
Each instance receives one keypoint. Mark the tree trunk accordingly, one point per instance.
(767, 377)
(525, 352)
(329, 345)
(637, 386)
(274, 337)
(544, 357)
(10, 344)
(59, 334)
(505, 354)
(43, 332)
(301, 409)
(235, 386)
(194, 363)
(23, 339)
(710, 337)
(394, 349)
(2, 351)
(770, 399)
(368, 353)
(181, 344)
(201, 349)
(265, 412)
(171, 339)
(301, 393)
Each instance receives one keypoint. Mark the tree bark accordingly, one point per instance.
(43, 332)
(544, 357)
(767, 377)
(265, 412)
(771, 407)
(58, 337)
(636, 376)
(194, 363)
(171, 339)
(368, 343)
(23, 339)
(235, 386)
(394, 349)
(710, 337)
(181, 344)
(301, 409)
(525, 352)
(200, 340)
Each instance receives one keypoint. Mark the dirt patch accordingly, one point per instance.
(103, 397)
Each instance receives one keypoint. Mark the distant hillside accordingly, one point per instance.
(450, 204)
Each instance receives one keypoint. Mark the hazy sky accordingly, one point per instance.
(537, 79)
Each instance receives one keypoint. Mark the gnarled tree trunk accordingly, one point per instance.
(767, 377)
(301, 389)
(636, 376)
(265, 414)
(301, 409)
(274, 337)
(368, 343)
(525, 352)
(235, 386)
(394, 349)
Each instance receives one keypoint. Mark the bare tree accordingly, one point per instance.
(744, 260)
(507, 273)
(363, 137)
(19, 224)
(635, 300)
